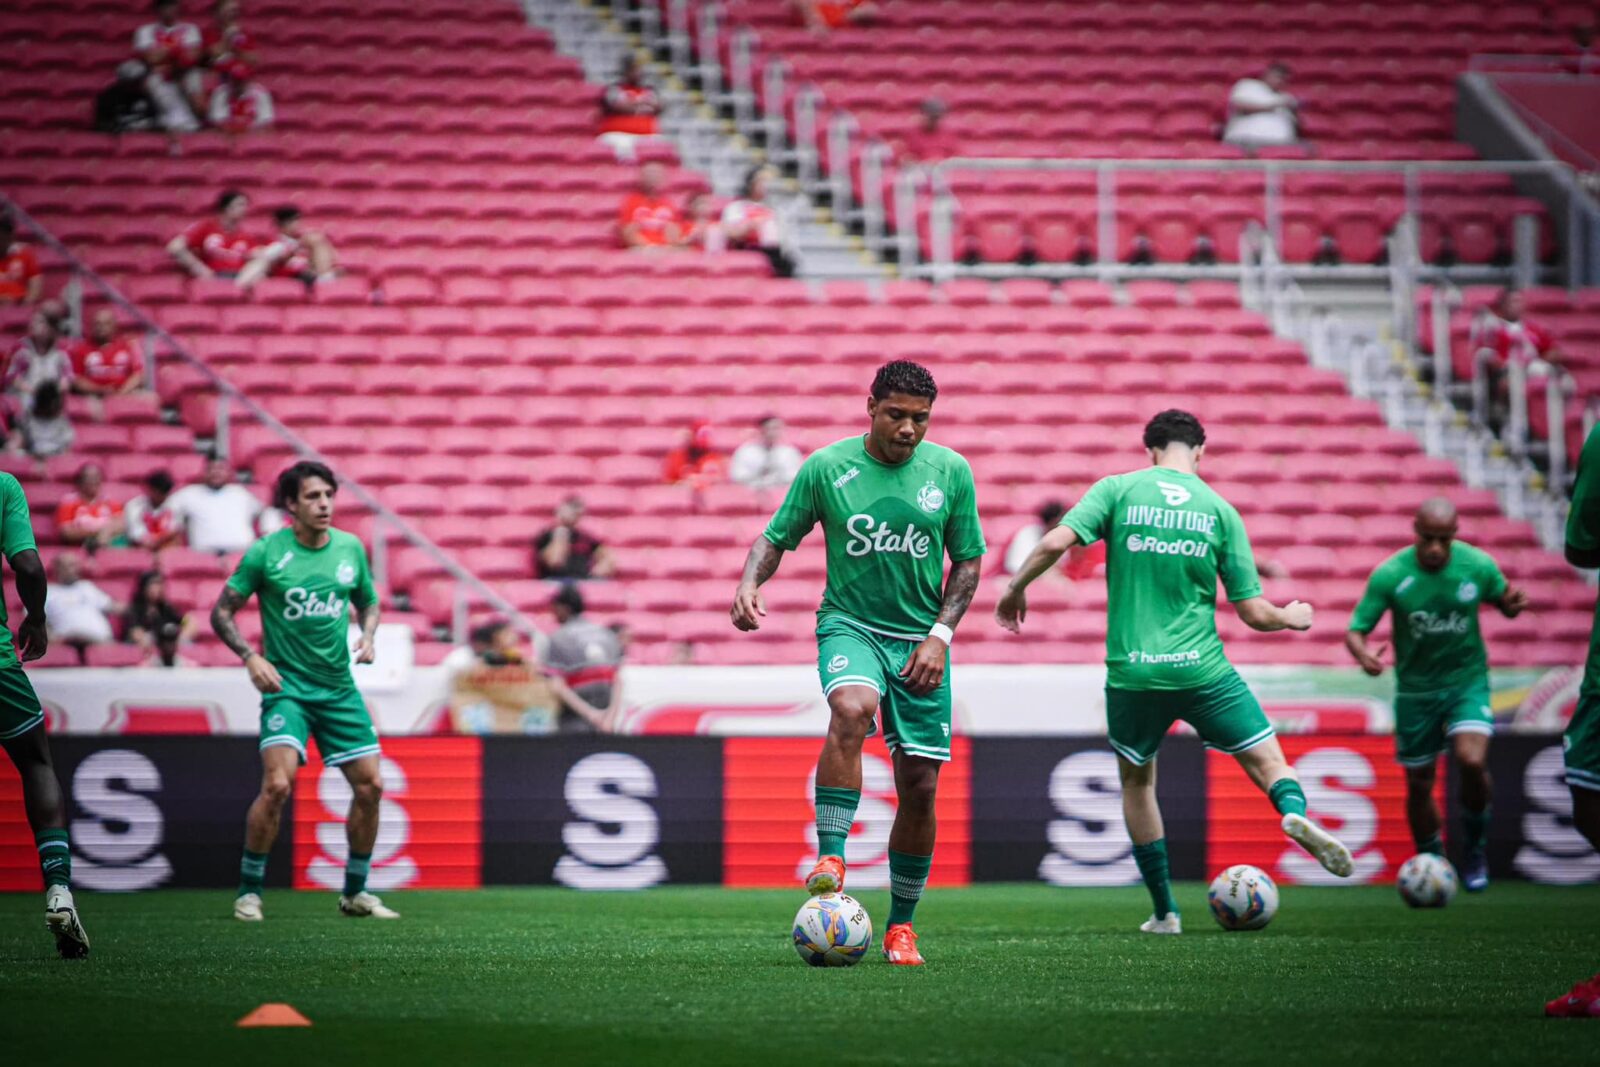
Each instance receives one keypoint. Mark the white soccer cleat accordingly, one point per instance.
(1323, 846)
(247, 908)
(61, 917)
(366, 906)
(1169, 923)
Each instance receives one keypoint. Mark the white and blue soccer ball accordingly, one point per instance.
(832, 930)
(1243, 898)
(1426, 881)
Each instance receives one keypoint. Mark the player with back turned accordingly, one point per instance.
(1433, 589)
(306, 577)
(891, 507)
(1169, 536)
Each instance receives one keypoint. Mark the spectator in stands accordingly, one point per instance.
(1080, 563)
(584, 657)
(218, 246)
(750, 222)
(44, 430)
(106, 363)
(21, 280)
(77, 611)
(154, 624)
(218, 515)
(648, 219)
(304, 255)
(86, 518)
(566, 551)
(1261, 112)
(630, 112)
(704, 225)
(148, 517)
(1502, 330)
(172, 52)
(238, 102)
(125, 106)
(38, 358)
(929, 142)
(822, 16)
(768, 462)
(695, 462)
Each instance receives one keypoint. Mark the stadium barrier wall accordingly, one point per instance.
(631, 813)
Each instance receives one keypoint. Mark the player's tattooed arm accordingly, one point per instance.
(959, 590)
(224, 625)
(759, 565)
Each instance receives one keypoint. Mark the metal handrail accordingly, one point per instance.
(230, 394)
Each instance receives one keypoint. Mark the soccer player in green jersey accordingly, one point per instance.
(306, 577)
(1434, 589)
(22, 723)
(891, 507)
(1168, 537)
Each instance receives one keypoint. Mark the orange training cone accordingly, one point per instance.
(275, 1015)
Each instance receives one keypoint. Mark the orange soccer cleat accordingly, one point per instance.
(826, 877)
(900, 946)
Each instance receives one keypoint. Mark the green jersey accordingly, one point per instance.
(16, 535)
(305, 596)
(887, 527)
(1437, 643)
(1583, 535)
(1168, 536)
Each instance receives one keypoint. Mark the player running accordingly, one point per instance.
(891, 507)
(1168, 536)
(22, 724)
(1582, 740)
(307, 576)
(1434, 589)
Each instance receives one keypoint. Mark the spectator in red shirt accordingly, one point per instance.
(696, 463)
(1501, 329)
(629, 112)
(150, 522)
(648, 220)
(21, 280)
(172, 52)
(239, 102)
(750, 222)
(820, 16)
(219, 246)
(106, 363)
(704, 224)
(85, 518)
(930, 141)
(304, 255)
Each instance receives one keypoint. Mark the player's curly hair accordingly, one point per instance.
(290, 481)
(1171, 426)
(904, 376)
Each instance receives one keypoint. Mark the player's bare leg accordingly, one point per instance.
(852, 709)
(278, 766)
(1422, 811)
(46, 810)
(1142, 815)
(361, 831)
(911, 840)
(1472, 771)
(1266, 766)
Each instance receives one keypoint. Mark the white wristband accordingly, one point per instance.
(943, 633)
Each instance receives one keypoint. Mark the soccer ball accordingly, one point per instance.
(1426, 881)
(832, 931)
(1243, 898)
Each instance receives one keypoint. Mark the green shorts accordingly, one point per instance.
(337, 718)
(19, 704)
(1224, 713)
(1423, 721)
(850, 655)
(1581, 744)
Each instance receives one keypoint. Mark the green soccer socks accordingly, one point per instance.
(1153, 868)
(1434, 844)
(836, 813)
(55, 857)
(1287, 796)
(1476, 824)
(907, 875)
(355, 873)
(252, 872)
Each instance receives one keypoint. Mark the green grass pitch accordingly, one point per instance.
(1017, 975)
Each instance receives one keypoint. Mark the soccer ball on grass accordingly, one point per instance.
(1243, 898)
(1426, 881)
(832, 930)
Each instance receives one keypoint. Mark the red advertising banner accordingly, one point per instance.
(430, 831)
(769, 823)
(1354, 788)
(19, 858)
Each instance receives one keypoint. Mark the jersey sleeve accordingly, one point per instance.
(963, 536)
(1583, 520)
(1373, 603)
(364, 593)
(247, 576)
(1236, 560)
(1090, 518)
(798, 513)
(1492, 579)
(16, 531)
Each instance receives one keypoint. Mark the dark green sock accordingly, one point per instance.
(55, 857)
(355, 872)
(907, 875)
(836, 813)
(1434, 844)
(252, 872)
(1287, 796)
(1153, 868)
(1476, 823)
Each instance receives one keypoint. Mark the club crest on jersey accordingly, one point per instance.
(1468, 592)
(838, 663)
(930, 498)
(1174, 494)
(346, 574)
